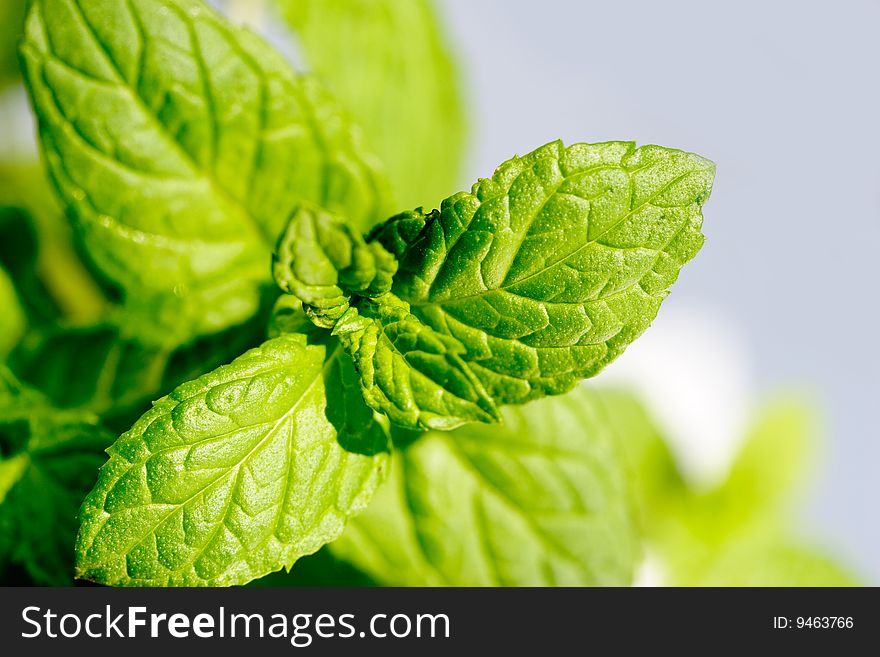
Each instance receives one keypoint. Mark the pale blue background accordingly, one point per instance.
(784, 97)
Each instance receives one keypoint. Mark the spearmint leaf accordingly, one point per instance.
(180, 145)
(538, 278)
(48, 458)
(547, 271)
(378, 57)
(415, 375)
(540, 500)
(236, 474)
(407, 371)
(323, 260)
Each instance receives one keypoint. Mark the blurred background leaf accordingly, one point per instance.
(36, 242)
(19, 256)
(654, 479)
(739, 533)
(391, 65)
(100, 369)
(775, 459)
(11, 25)
(37, 245)
(774, 560)
(12, 318)
(48, 460)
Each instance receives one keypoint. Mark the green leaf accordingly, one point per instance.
(775, 458)
(19, 253)
(540, 500)
(48, 459)
(101, 369)
(657, 487)
(322, 261)
(739, 533)
(382, 59)
(538, 278)
(181, 145)
(757, 493)
(236, 474)
(91, 367)
(415, 375)
(408, 371)
(38, 248)
(288, 316)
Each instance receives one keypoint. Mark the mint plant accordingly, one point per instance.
(408, 380)
(242, 471)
